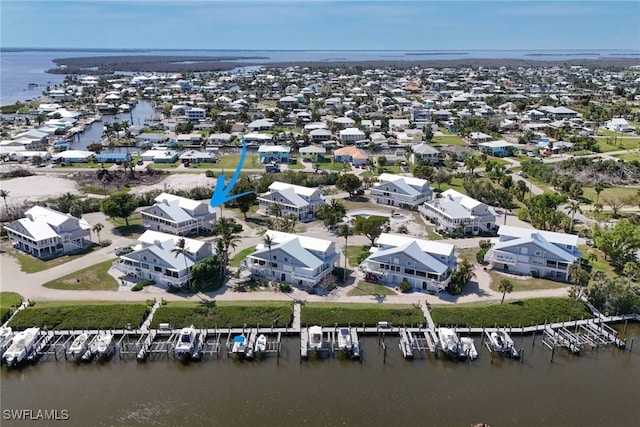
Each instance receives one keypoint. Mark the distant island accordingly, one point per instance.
(186, 63)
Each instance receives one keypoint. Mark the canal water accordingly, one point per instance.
(598, 388)
(93, 134)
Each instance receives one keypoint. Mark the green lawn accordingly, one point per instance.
(527, 312)
(133, 230)
(353, 252)
(627, 143)
(330, 165)
(92, 189)
(363, 288)
(224, 314)
(31, 264)
(94, 278)
(456, 184)
(9, 301)
(329, 314)
(449, 140)
(81, 315)
(297, 165)
(165, 165)
(629, 157)
(609, 192)
(595, 258)
(83, 165)
(240, 256)
(524, 284)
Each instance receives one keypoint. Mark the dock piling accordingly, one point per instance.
(631, 345)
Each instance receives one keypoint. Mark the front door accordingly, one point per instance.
(283, 277)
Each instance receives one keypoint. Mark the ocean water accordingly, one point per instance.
(19, 68)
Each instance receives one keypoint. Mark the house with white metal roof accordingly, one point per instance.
(274, 153)
(46, 233)
(294, 259)
(153, 258)
(454, 211)
(426, 265)
(178, 215)
(401, 191)
(284, 199)
(533, 252)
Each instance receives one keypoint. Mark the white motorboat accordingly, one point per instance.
(344, 339)
(78, 347)
(6, 336)
(186, 343)
(449, 341)
(501, 342)
(239, 345)
(102, 346)
(468, 348)
(261, 343)
(21, 347)
(315, 338)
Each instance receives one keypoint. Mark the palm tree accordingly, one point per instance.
(599, 188)
(471, 162)
(4, 194)
(572, 208)
(343, 231)
(97, 228)
(268, 242)
(227, 239)
(180, 249)
(505, 287)
(465, 269)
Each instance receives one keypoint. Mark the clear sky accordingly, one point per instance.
(330, 24)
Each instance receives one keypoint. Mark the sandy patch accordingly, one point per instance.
(182, 181)
(37, 187)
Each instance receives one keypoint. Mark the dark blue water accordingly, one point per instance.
(20, 68)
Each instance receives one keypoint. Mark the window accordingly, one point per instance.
(409, 263)
(409, 271)
(157, 268)
(538, 253)
(275, 257)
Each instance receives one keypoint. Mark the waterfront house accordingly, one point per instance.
(153, 259)
(178, 215)
(195, 156)
(401, 191)
(303, 202)
(113, 157)
(47, 233)
(160, 156)
(497, 148)
(533, 252)
(73, 156)
(152, 137)
(294, 259)
(454, 211)
(260, 124)
(274, 153)
(424, 264)
(355, 156)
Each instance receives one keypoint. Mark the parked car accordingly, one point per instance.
(122, 250)
(522, 174)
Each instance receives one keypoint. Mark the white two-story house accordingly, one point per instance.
(533, 252)
(46, 233)
(153, 259)
(426, 265)
(294, 259)
(401, 191)
(454, 211)
(178, 215)
(288, 199)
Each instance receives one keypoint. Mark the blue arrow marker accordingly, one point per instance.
(221, 194)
